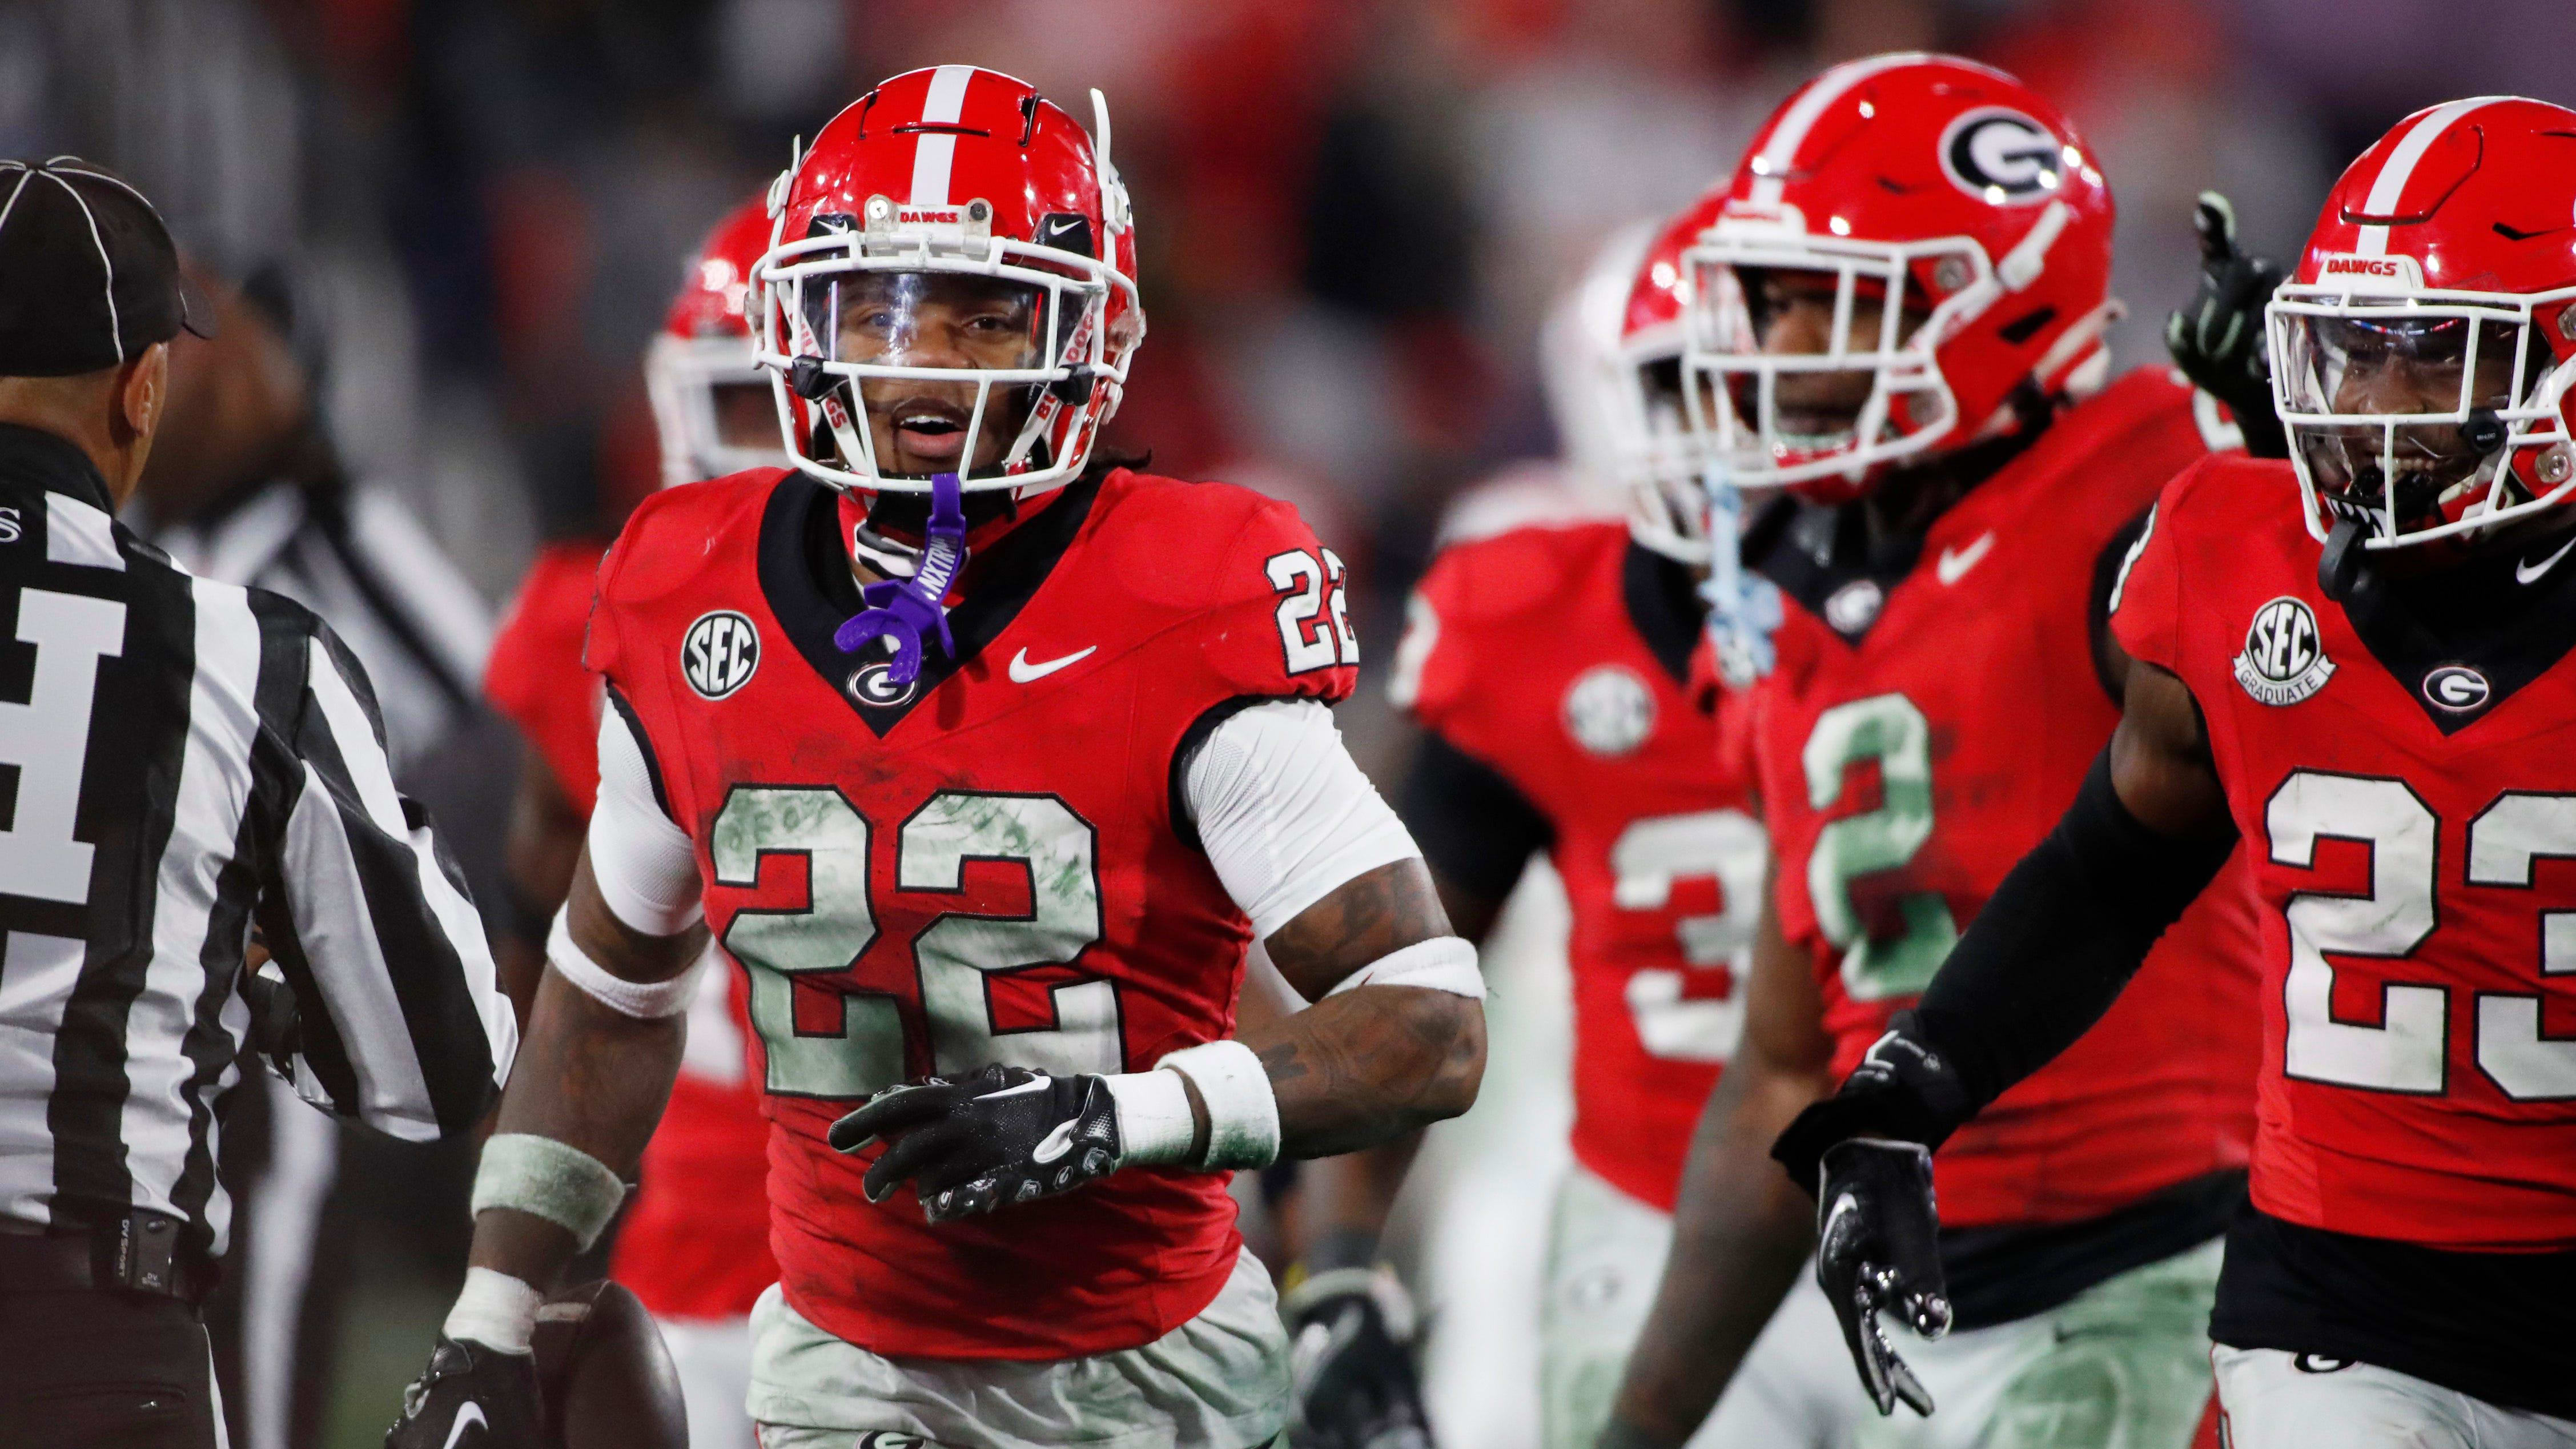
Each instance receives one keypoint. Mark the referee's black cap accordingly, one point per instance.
(88, 274)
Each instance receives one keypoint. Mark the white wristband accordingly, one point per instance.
(1155, 1125)
(494, 1310)
(644, 1000)
(548, 1179)
(1243, 1114)
(1443, 963)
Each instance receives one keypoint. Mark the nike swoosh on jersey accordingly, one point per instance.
(1954, 563)
(1056, 1143)
(1023, 672)
(470, 1415)
(2524, 573)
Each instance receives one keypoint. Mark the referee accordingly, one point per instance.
(189, 766)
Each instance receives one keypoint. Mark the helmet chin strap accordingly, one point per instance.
(910, 611)
(2339, 566)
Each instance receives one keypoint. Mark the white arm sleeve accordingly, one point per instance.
(1284, 813)
(645, 865)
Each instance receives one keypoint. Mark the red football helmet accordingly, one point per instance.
(2423, 353)
(948, 288)
(711, 405)
(1617, 415)
(1940, 195)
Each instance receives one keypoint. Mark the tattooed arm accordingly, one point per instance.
(1375, 1062)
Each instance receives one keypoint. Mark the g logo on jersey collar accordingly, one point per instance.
(719, 653)
(2457, 688)
(871, 684)
(2285, 658)
(2002, 157)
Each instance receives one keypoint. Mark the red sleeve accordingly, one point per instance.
(534, 677)
(2146, 613)
(1430, 673)
(1280, 618)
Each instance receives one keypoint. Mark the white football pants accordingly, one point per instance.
(2270, 1402)
(713, 1356)
(1219, 1381)
(1606, 1251)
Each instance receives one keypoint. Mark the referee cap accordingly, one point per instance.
(88, 274)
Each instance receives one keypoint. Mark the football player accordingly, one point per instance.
(1896, 311)
(1551, 668)
(694, 1245)
(985, 758)
(2356, 662)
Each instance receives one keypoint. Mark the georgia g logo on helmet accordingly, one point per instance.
(2002, 157)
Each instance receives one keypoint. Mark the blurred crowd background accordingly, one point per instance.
(464, 218)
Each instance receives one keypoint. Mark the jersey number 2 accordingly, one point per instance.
(1307, 592)
(1890, 729)
(956, 954)
(2409, 1051)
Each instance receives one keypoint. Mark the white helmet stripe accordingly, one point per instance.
(1772, 164)
(2390, 187)
(934, 150)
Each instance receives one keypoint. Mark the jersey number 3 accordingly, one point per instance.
(956, 953)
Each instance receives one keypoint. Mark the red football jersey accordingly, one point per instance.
(695, 1240)
(2416, 883)
(1904, 776)
(1533, 660)
(984, 866)
(534, 676)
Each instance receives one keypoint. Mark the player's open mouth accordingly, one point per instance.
(930, 432)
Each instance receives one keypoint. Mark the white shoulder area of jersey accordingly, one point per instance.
(1533, 493)
(644, 863)
(1284, 813)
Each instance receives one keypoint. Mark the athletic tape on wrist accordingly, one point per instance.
(644, 1000)
(1443, 963)
(1243, 1114)
(548, 1179)
(1155, 1125)
(494, 1310)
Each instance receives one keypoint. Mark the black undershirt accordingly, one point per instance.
(2002, 1275)
(2493, 1326)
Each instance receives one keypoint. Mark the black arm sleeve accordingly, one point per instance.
(2060, 938)
(1475, 827)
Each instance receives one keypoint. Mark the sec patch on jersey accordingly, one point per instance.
(2285, 658)
(720, 653)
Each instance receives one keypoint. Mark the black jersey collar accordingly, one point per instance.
(805, 576)
(2463, 639)
(30, 455)
(1662, 597)
(1824, 558)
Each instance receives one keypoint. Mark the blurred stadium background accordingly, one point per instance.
(467, 216)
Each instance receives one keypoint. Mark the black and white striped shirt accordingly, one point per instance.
(181, 760)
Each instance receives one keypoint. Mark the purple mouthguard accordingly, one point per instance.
(911, 610)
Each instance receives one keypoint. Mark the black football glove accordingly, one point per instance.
(2219, 340)
(1004, 1135)
(1878, 1248)
(470, 1397)
(1350, 1363)
(1904, 1090)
